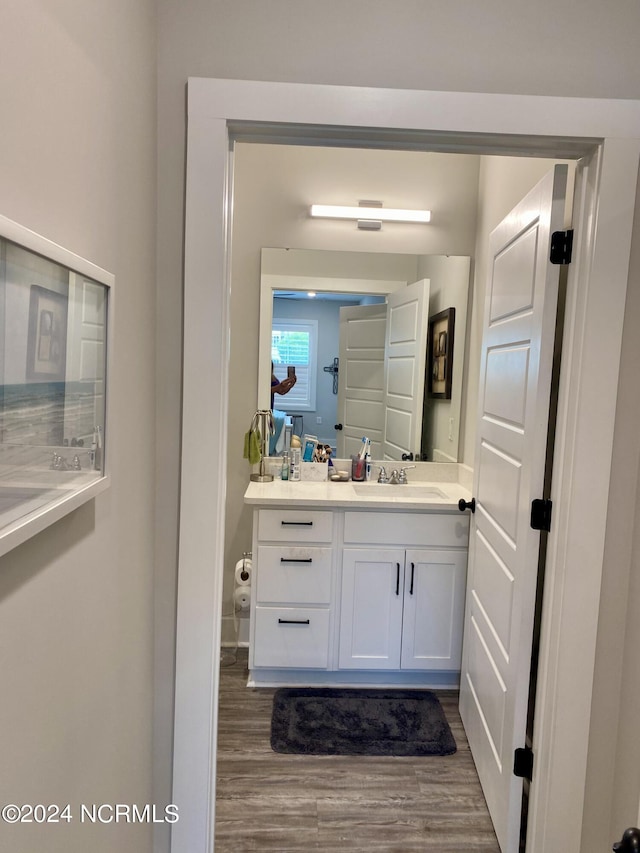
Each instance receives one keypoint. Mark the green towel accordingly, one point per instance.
(252, 447)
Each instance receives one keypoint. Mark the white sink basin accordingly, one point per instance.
(406, 490)
(12, 496)
(41, 478)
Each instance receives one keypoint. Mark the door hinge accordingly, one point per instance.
(541, 514)
(561, 246)
(523, 763)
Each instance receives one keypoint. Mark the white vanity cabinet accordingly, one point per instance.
(293, 587)
(354, 589)
(402, 608)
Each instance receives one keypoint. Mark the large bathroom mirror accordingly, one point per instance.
(325, 294)
(53, 381)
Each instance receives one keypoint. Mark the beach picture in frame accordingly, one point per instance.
(440, 361)
(47, 338)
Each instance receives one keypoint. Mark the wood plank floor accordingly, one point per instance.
(295, 804)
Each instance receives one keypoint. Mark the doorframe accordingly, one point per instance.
(222, 111)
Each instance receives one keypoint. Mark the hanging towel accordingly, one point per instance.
(276, 442)
(252, 446)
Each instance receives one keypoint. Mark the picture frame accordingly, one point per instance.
(47, 335)
(440, 350)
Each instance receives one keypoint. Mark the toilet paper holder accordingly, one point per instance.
(243, 570)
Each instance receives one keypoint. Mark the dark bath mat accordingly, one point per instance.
(336, 721)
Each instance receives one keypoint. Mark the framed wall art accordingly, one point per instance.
(47, 337)
(440, 346)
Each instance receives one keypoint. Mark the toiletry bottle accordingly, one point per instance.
(296, 454)
(285, 466)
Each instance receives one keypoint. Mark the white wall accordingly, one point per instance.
(77, 164)
(451, 285)
(611, 802)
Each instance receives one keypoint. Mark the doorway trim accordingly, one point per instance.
(605, 132)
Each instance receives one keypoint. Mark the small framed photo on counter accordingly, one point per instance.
(440, 348)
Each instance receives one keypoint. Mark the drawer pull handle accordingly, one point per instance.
(398, 579)
(413, 569)
(293, 622)
(297, 523)
(291, 560)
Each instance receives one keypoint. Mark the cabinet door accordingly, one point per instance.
(433, 609)
(371, 608)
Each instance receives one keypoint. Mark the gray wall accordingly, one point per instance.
(77, 165)
(542, 48)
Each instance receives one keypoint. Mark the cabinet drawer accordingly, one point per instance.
(291, 637)
(299, 574)
(406, 529)
(295, 525)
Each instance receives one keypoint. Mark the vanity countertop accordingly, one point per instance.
(414, 495)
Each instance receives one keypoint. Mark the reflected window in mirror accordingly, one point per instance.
(294, 347)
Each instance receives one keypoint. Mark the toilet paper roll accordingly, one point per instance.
(243, 572)
(242, 598)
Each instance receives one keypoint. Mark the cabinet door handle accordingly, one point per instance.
(397, 578)
(413, 570)
(297, 523)
(292, 560)
(293, 621)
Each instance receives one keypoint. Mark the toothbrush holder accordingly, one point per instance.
(358, 468)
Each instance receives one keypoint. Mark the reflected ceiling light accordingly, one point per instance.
(311, 293)
(370, 212)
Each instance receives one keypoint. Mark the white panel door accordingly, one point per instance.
(513, 417)
(86, 354)
(371, 608)
(434, 591)
(405, 358)
(361, 378)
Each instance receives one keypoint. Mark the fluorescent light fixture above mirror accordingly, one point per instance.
(382, 214)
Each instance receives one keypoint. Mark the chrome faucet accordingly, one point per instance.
(59, 463)
(382, 476)
(402, 476)
(399, 478)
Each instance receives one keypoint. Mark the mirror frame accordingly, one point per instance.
(270, 283)
(16, 532)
